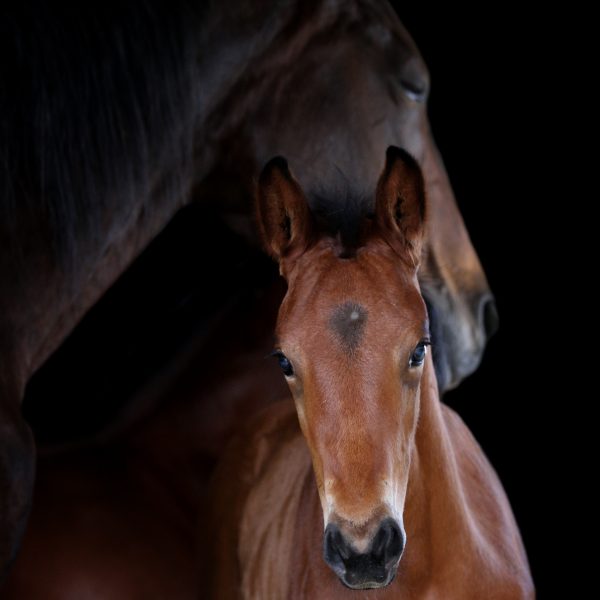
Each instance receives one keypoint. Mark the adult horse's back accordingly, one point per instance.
(111, 120)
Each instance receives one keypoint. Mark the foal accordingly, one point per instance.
(398, 497)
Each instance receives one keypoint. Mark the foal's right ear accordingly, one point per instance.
(283, 215)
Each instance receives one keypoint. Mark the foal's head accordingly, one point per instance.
(352, 342)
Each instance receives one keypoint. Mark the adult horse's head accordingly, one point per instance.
(352, 341)
(343, 82)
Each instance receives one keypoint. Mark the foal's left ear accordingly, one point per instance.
(400, 203)
(284, 218)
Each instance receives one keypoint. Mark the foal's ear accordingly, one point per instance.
(284, 218)
(400, 203)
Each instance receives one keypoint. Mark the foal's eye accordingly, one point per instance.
(284, 363)
(418, 356)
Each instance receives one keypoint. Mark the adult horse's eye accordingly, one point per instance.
(284, 363)
(417, 358)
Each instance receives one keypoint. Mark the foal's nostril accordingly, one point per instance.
(373, 568)
(388, 543)
(335, 549)
(488, 316)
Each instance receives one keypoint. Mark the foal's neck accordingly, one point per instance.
(460, 528)
(433, 501)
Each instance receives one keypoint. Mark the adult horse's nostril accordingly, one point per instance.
(488, 315)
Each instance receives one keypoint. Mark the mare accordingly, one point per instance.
(112, 120)
(370, 483)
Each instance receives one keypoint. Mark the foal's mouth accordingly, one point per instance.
(370, 585)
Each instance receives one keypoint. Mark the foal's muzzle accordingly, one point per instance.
(373, 568)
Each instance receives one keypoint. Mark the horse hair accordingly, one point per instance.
(341, 212)
(94, 97)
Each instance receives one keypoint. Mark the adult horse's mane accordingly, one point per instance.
(91, 98)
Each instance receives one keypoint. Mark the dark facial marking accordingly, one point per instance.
(348, 323)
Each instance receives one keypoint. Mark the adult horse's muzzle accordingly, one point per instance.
(460, 331)
(376, 566)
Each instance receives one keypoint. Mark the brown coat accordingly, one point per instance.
(463, 541)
